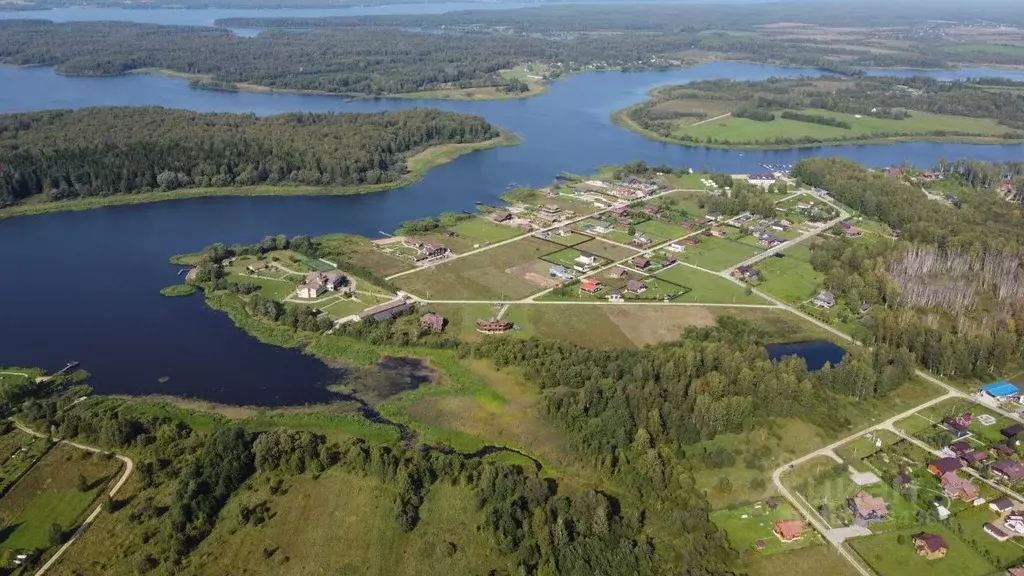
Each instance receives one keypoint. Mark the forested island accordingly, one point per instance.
(108, 155)
(813, 111)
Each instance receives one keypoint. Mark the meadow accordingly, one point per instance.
(718, 253)
(707, 287)
(790, 278)
(888, 557)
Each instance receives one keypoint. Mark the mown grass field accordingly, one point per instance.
(790, 278)
(812, 561)
(607, 250)
(491, 274)
(746, 131)
(363, 252)
(747, 524)
(49, 494)
(706, 287)
(342, 523)
(718, 253)
(662, 230)
(484, 231)
(888, 557)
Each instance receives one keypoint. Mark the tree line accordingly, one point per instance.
(103, 151)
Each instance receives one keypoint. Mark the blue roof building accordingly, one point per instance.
(1000, 389)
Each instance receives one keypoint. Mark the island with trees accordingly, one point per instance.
(788, 113)
(64, 159)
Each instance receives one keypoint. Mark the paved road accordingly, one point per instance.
(128, 467)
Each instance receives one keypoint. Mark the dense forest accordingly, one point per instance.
(877, 97)
(951, 290)
(102, 151)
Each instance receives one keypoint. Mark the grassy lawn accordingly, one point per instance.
(48, 494)
(347, 522)
(746, 524)
(746, 131)
(617, 235)
(972, 520)
(504, 272)
(718, 253)
(811, 561)
(888, 557)
(485, 231)
(362, 252)
(569, 239)
(271, 288)
(662, 229)
(706, 287)
(568, 256)
(790, 278)
(18, 452)
(607, 250)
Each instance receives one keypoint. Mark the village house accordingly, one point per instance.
(550, 213)
(1000, 505)
(718, 232)
(333, 280)
(867, 508)
(668, 260)
(493, 326)
(960, 447)
(1009, 470)
(431, 322)
(958, 425)
(257, 266)
(761, 179)
(1011, 432)
(590, 286)
(974, 457)
(561, 273)
(640, 262)
(500, 216)
(825, 299)
(691, 241)
(617, 272)
(905, 479)
(640, 240)
(1001, 390)
(602, 228)
(944, 465)
(652, 209)
(676, 247)
(621, 212)
(1002, 450)
(387, 310)
(930, 546)
(1014, 523)
(746, 273)
(430, 251)
(769, 241)
(994, 531)
(615, 297)
(636, 287)
(788, 530)
(956, 486)
(309, 291)
(586, 260)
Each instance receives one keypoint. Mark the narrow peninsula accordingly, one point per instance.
(788, 113)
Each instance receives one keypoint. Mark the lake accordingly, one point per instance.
(84, 286)
(816, 353)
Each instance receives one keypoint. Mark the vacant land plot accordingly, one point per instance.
(790, 277)
(504, 272)
(811, 561)
(568, 256)
(707, 287)
(347, 522)
(580, 324)
(484, 231)
(50, 494)
(18, 452)
(607, 250)
(569, 239)
(362, 252)
(718, 253)
(746, 131)
(889, 557)
(662, 230)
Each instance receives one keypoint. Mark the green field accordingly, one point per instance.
(612, 252)
(362, 252)
(707, 287)
(503, 272)
(888, 557)
(569, 239)
(1007, 49)
(790, 278)
(568, 256)
(718, 253)
(347, 522)
(746, 524)
(18, 452)
(744, 131)
(484, 231)
(662, 230)
(811, 561)
(48, 494)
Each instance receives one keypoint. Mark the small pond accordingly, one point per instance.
(814, 352)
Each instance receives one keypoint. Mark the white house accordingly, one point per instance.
(761, 179)
(585, 259)
(310, 290)
(675, 247)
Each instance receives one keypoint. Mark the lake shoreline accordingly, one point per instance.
(419, 165)
(620, 118)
